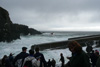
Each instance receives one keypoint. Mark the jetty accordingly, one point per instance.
(84, 41)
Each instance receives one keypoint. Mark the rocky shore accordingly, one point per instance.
(10, 31)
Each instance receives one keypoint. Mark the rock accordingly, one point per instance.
(10, 31)
(33, 31)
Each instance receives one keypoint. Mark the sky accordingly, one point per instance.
(55, 15)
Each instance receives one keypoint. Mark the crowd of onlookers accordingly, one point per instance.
(34, 58)
(31, 59)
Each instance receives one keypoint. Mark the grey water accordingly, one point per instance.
(29, 40)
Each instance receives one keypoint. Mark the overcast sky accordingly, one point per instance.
(59, 15)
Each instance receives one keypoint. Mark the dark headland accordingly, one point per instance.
(10, 31)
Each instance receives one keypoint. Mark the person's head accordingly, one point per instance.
(37, 49)
(31, 52)
(24, 49)
(32, 47)
(52, 58)
(97, 52)
(92, 51)
(61, 54)
(10, 54)
(74, 47)
(5, 56)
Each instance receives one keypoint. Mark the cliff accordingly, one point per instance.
(10, 31)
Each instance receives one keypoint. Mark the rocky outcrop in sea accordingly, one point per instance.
(10, 31)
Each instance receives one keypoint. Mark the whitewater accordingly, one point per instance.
(29, 40)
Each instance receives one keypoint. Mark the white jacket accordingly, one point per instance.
(35, 62)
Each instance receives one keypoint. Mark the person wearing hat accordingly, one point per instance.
(18, 61)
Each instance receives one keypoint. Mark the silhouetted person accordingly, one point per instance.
(49, 63)
(11, 58)
(6, 62)
(93, 58)
(89, 49)
(53, 62)
(97, 53)
(98, 62)
(32, 47)
(18, 61)
(62, 60)
(3, 60)
(40, 56)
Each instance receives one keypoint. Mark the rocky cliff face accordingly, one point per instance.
(10, 31)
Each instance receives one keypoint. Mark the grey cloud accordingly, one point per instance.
(54, 5)
(46, 14)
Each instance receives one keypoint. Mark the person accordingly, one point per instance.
(89, 49)
(62, 60)
(11, 58)
(53, 62)
(3, 60)
(30, 61)
(40, 56)
(79, 58)
(6, 62)
(18, 60)
(97, 53)
(93, 58)
(98, 62)
(49, 63)
(32, 47)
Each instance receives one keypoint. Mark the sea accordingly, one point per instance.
(15, 46)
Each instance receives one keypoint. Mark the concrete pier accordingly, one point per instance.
(63, 44)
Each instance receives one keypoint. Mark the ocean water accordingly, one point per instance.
(27, 41)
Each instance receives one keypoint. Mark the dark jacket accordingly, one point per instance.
(41, 57)
(98, 62)
(7, 63)
(80, 60)
(21, 56)
(93, 58)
